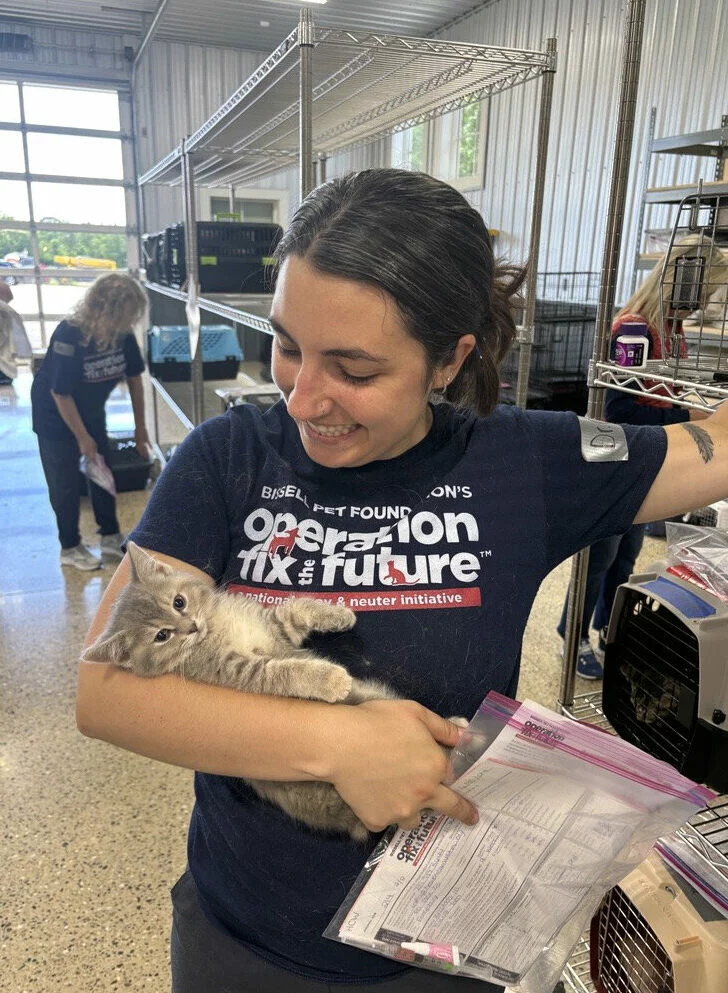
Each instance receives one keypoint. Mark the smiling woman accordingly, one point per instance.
(359, 404)
(435, 522)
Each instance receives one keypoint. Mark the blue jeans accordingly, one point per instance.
(611, 562)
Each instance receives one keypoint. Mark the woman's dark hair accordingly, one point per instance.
(419, 240)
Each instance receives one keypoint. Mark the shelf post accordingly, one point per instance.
(631, 56)
(526, 334)
(305, 135)
(645, 183)
(192, 307)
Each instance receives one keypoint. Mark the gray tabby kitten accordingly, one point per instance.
(166, 621)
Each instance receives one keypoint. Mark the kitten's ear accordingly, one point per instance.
(145, 566)
(114, 649)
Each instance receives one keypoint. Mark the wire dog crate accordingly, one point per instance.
(563, 338)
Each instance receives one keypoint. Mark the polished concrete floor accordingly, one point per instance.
(91, 837)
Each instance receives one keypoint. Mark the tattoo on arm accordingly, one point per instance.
(702, 439)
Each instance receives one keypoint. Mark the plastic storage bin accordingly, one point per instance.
(168, 352)
(233, 257)
(129, 469)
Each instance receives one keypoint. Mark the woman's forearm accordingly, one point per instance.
(136, 394)
(69, 413)
(207, 728)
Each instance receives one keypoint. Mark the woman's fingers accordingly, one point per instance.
(442, 730)
(448, 802)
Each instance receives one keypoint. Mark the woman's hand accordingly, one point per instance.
(88, 447)
(388, 764)
(142, 442)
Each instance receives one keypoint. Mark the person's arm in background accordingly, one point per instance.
(625, 408)
(141, 436)
(69, 412)
(6, 294)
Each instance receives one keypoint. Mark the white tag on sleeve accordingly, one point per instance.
(64, 348)
(602, 441)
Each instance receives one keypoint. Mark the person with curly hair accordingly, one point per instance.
(88, 354)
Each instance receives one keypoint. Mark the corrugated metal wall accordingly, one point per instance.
(59, 52)
(177, 88)
(683, 74)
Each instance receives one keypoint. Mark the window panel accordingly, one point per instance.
(25, 297)
(9, 103)
(408, 149)
(67, 107)
(252, 211)
(32, 329)
(60, 250)
(64, 155)
(13, 200)
(12, 158)
(79, 204)
(469, 140)
(61, 296)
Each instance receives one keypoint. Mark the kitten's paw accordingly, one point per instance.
(335, 618)
(318, 615)
(337, 684)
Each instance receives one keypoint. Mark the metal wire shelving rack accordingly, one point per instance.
(324, 91)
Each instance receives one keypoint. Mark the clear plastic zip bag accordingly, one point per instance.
(98, 472)
(703, 552)
(566, 811)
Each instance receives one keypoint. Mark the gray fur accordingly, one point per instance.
(234, 641)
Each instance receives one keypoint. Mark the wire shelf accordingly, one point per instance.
(365, 86)
(587, 707)
(576, 976)
(691, 367)
(250, 310)
(707, 834)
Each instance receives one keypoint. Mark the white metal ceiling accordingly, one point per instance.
(258, 25)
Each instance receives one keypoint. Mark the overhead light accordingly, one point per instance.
(265, 24)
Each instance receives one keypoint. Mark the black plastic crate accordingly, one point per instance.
(232, 257)
(151, 257)
(129, 469)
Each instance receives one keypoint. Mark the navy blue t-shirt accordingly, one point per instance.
(440, 551)
(72, 368)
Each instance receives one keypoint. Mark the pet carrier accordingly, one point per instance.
(655, 934)
(665, 674)
(232, 257)
(168, 352)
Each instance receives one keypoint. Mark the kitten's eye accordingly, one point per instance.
(179, 602)
(162, 635)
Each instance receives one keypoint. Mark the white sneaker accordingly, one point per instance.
(110, 544)
(80, 558)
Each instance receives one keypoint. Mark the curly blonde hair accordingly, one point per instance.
(646, 300)
(109, 308)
